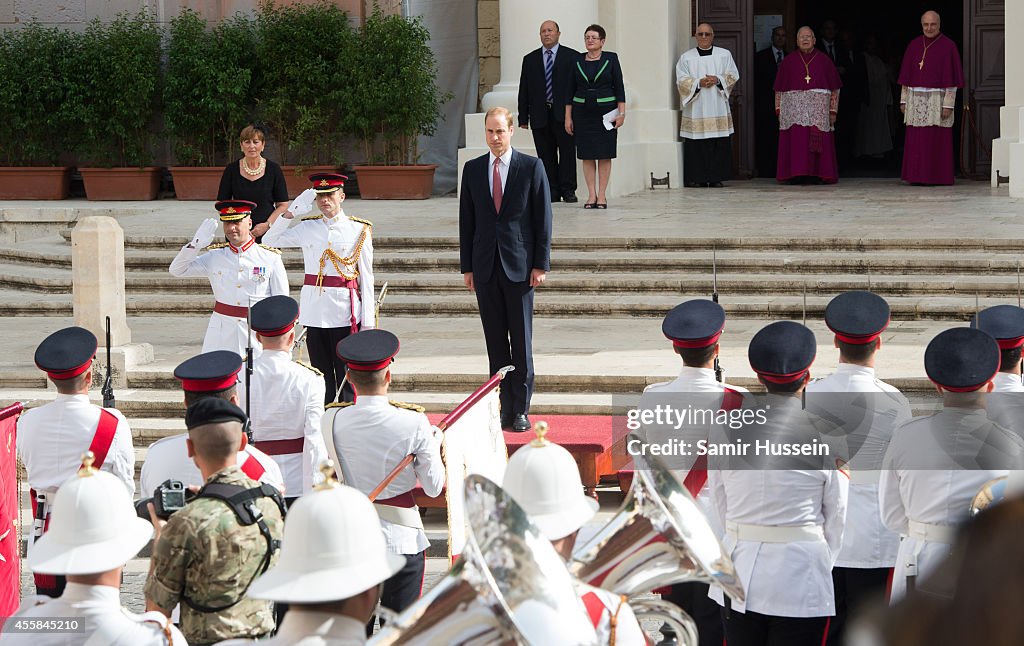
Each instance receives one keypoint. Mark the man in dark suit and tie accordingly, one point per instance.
(505, 251)
(766, 123)
(542, 86)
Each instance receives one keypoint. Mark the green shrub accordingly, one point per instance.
(303, 78)
(394, 98)
(114, 91)
(35, 124)
(208, 89)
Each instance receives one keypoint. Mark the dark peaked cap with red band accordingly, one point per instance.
(782, 352)
(962, 359)
(327, 182)
(232, 210)
(274, 315)
(1004, 323)
(66, 353)
(694, 324)
(368, 350)
(209, 372)
(857, 317)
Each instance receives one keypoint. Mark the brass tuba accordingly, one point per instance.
(658, 537)
(509, 586)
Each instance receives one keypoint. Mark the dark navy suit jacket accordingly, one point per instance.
(520, 233)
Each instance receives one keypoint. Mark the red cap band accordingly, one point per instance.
(1010, 344)
(697, 343)
(964, 389)
(370, 367)
(782, 379)
(209, 385)
(863, 339)
(67, 374)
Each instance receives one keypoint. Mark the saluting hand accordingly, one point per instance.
(205, 232)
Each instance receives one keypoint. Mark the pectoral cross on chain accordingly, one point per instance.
(807, 79)
(920, 65)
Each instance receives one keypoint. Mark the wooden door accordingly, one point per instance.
(733, 21)
(984, 77)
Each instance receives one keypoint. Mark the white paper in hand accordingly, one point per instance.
(608, 118)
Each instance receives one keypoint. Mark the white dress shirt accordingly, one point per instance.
(791, 579)
(167, 459)
(287, 402)
(1006, 382)
(302, 627)
(506, 159)
(238, 277)
(53, 437)
(105, 621)
(910, 493)
(371, 437)
(867, 543)
(329, 307)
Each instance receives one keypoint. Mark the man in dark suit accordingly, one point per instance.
(505, 251)
(766, 123)
(542, 85)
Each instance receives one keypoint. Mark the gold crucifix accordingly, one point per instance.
(807, 79)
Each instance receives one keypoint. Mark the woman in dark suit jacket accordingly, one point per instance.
(595, 88)
(256, 179)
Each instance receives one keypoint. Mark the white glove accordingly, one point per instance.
(303, 203)
(205, 232)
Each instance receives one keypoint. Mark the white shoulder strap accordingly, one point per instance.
(327, 430)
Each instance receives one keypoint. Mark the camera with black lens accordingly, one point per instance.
(168, 498)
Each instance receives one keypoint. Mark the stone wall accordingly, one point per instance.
(488, 45)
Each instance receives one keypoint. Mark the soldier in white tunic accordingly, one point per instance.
(937, 464)
(542, 477)
(52, 438)
(93, 534)
(241, 272)
(331, 567)
(705, 77)
(1005, 324)
(694, 328)
(369, 438)
(784, 517)
(286, 398)
(864, 565)
(337, 290)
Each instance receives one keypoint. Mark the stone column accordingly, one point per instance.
(1007, 151)
(97, 270)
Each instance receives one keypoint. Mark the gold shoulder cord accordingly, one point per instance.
(614, 621)
(338, 262)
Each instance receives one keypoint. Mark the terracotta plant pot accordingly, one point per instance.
(34, 182)
(296, 178)
(414, 182)
(196, 182)
(121, 183)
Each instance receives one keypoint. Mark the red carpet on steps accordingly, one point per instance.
(581, 435)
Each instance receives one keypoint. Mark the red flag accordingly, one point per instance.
(10, 557)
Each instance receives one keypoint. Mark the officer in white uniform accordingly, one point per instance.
(211, 374)
(936, 464)
(52, 438)
(94, 532)
(784, 516)
(337, 290)
(694, 328)
(241, 272)
(1005, 324)
(369, 438)
(329, 572)
(864, 565)
(286, 398)
(543, 479)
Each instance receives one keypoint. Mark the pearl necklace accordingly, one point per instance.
(259, 169)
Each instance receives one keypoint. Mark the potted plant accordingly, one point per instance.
(208, 94)
(304, 84)
(34, 124)
(117, 78)
(394, 99)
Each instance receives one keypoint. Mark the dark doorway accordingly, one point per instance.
(884, 28)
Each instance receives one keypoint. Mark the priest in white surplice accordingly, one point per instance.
(705, 76)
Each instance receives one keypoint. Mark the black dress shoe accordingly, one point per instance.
(506, 420)
(556, 198)
(570, 198)
(520, 423)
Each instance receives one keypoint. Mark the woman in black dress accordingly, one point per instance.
(256, 179)
(595, 89)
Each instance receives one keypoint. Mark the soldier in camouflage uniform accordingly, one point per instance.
(203, 556)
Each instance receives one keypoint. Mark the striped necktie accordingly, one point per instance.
(549, 65)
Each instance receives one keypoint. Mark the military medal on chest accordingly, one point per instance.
(259, 274)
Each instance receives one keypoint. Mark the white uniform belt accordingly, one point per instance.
(932, 533)
(864, 477)
(774, 533)
(404, 516)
